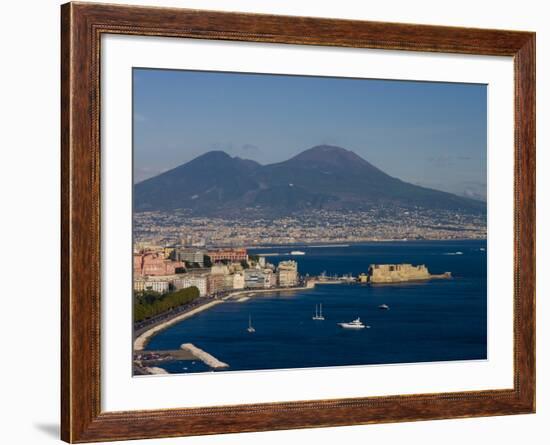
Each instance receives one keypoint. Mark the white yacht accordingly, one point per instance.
(355, 324)
(250, 327)
(318, 313)
(384, 306)
(297, 252)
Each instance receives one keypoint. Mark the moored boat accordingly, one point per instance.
(318, 313)
(355, 324)
(250, 327)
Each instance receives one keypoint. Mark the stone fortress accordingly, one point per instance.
(397, 273)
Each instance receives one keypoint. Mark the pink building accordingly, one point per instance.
(154, 263)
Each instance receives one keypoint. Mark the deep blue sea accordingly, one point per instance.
(437, 320)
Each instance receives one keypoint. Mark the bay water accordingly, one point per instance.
(436, 320)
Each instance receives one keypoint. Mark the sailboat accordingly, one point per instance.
(318, 314)
(250, 327)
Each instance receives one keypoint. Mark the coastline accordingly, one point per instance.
(350, 243)
(141, 341)
(251, 292)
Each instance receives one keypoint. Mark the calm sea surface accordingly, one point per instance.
(431, 321)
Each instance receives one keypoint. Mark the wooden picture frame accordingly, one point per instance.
(82, 25)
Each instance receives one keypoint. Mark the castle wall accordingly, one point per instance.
(395, 273)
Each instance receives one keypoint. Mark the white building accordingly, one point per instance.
(287, 273)
(256, 278)
(189, 255)
(155, 285)
(199, 281)
(234, 281)
(238, 280)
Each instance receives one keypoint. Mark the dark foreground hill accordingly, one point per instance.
(322, 177)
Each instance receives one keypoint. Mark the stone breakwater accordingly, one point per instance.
(204, 356)
(141, 341)
(154, 370)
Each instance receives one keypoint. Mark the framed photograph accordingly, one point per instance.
(274, 222)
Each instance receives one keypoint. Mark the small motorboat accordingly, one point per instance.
(384, 307)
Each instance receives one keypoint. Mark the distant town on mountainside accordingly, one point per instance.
(324, 194)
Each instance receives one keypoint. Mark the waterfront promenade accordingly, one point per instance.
(141, 341)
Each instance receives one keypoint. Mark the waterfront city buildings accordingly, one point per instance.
(164, 269)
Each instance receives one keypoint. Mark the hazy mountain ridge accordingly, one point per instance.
(322, 177)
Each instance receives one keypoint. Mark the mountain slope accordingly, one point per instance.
(206, 182)
(322, 177)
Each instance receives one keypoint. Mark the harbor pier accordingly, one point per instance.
(204, 356)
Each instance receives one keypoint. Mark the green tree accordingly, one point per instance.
(150, 305)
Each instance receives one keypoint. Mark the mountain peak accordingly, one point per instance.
(219, 156)
(328, 154)
(214, 155)
(325, 148)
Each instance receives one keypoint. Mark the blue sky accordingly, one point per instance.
(426, 133)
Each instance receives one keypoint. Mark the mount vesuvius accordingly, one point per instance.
(322, 177)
